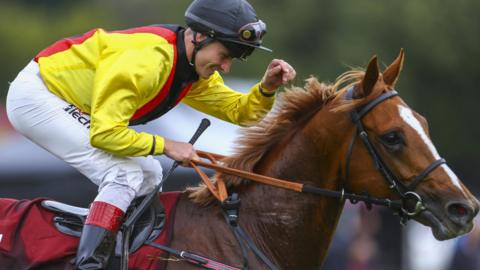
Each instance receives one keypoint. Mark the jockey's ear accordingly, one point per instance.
(391, 74)
(369, 80)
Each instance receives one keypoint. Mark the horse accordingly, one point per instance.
(355, 136)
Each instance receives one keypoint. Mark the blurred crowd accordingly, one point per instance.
(370, 240)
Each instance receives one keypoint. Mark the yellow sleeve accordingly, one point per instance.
(213, 97)
(123, 82)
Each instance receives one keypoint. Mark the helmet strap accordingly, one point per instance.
(198, 45)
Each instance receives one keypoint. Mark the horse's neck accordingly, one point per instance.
(295, 229)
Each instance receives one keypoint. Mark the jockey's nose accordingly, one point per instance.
(462, 213)
(226, 64)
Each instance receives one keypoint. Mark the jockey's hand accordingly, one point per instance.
(180, 151)
(278, 73)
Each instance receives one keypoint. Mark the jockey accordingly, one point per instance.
(79, 96)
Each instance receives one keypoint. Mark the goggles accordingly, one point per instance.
(253, 32)
(248, 35)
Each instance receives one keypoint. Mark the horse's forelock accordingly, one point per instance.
(291, 105)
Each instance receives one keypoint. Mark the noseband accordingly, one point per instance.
(405, 191)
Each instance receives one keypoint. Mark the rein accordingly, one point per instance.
(218, 189)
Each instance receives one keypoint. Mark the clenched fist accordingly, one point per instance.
(278, 73)
(180, 151)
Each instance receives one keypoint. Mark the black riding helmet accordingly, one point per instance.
(232, 22)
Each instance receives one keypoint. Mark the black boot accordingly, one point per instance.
(97, 241)
(96, 245)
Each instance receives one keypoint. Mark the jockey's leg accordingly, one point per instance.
(98, 235)
(120, 182)
(62, 130)
(152, 174)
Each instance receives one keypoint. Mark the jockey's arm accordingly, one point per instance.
(213, 97)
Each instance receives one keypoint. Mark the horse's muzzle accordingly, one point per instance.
(461, 213)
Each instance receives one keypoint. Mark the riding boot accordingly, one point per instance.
(97, 241)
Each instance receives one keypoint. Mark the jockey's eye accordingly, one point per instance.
(392, 140)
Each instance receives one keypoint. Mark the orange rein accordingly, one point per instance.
(219, 189)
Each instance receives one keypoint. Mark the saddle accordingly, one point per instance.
(70, 219)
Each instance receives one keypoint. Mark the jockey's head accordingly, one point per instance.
(232, 23)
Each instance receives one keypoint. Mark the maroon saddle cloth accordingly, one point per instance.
(42, 234)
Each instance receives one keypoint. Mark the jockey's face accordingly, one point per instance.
(213, 57)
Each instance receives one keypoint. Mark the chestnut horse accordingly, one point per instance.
(306, 138)
(309, 137)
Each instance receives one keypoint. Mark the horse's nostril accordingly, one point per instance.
(460, 213)
(457, 209)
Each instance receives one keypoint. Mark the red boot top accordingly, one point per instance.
(105, 215)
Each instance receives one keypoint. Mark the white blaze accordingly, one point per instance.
(409, 118)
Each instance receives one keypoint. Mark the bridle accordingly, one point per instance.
(406, 192)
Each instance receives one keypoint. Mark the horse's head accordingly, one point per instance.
(401, 145)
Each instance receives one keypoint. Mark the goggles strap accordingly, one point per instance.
(198, 45)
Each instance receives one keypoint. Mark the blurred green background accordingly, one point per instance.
(324, 38)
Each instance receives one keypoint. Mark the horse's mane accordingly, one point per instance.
(291, 105)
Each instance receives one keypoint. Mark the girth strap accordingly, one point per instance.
(231, 211)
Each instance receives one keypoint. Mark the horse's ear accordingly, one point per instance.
(392, 72)
(370, 78)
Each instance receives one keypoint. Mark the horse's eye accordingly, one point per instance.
(392, 140)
